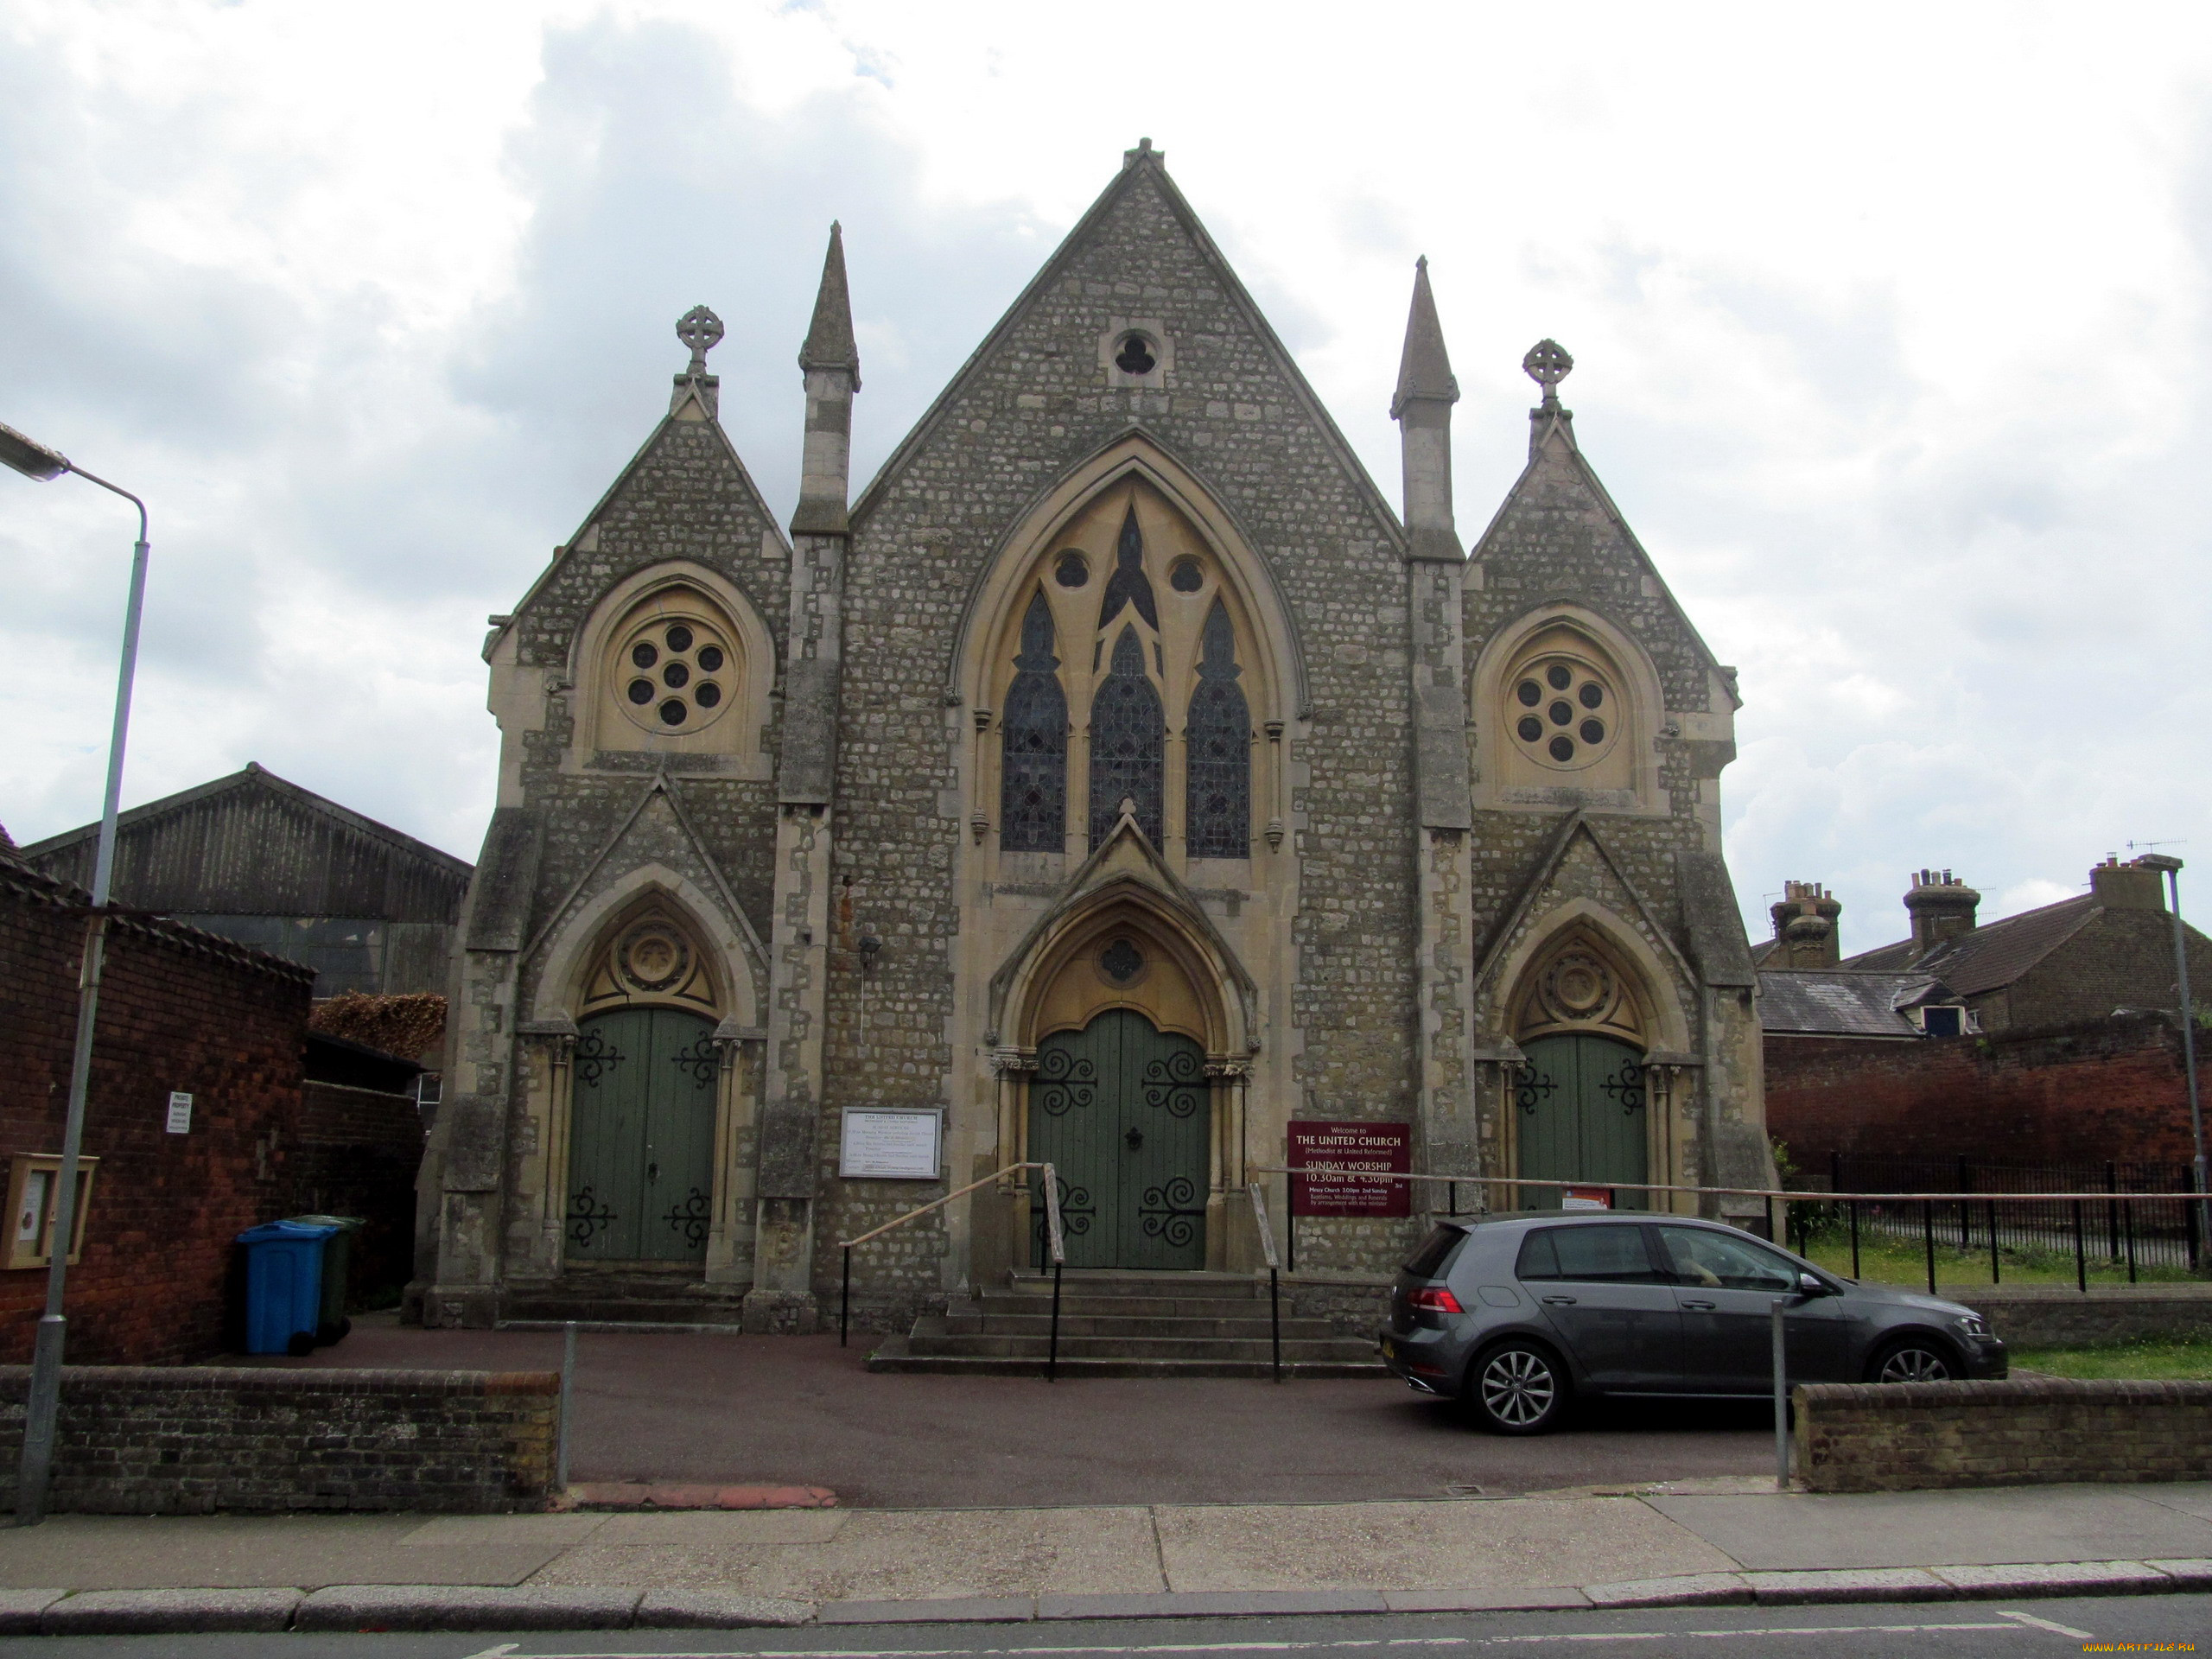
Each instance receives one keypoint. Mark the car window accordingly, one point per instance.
(1719, 1260)
(1435, 1252)
(1611, 1254)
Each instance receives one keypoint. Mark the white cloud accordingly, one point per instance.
(1888, 322)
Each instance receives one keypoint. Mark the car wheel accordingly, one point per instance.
(1911, 1361)
(1517, 1388)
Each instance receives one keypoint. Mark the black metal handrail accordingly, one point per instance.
(1275, 1277)
(845, 1293)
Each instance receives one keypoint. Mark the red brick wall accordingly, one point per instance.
(2109, 1089)
(179, 1010)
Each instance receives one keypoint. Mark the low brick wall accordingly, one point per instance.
(192, 1440)
(1911, 1436)
(2046, 1316)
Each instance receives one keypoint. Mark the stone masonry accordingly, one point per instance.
(1381, 953)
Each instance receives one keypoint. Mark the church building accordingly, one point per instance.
(1117, 781)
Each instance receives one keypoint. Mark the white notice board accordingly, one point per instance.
(892, 1143)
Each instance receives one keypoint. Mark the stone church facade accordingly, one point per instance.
(1117, 780)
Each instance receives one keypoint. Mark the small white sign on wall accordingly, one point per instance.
(890, 1143)
(180, 1113)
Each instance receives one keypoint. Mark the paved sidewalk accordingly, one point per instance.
(581, 1570)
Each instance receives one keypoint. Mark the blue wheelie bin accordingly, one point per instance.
(283, 1286)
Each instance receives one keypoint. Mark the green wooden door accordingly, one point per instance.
(1582, 1119)
(641, 1137)
(1119, 1109)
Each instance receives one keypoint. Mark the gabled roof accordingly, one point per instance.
(1552, 447)
(1143, 168)
(690, 393)
(1992, 955)
(1834, 1002)
(253, 843)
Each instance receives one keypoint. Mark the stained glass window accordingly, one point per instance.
(1128, 734)
(1033, 770)
(1218, 813)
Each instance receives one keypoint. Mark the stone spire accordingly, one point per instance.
(1422, 409)
(829, 339)
(832, 366)
(1425, 368)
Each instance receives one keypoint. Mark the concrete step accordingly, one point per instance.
(597, 1306)
(992, 1322)
(1001, 1303)
(896, 1354)
(1116, 1281)
(930, 1336)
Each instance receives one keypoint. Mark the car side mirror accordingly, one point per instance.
(1810, 1285)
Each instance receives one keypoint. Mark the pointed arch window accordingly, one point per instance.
(1033, 775)
(1128, 740)
(1218, 809)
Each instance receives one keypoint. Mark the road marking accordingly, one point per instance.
(510, 1651)
(2045, 1624)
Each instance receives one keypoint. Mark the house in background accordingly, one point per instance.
(277, 867)
(2050, 1037)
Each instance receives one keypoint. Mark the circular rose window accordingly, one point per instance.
(675, 675)
(1562, 713)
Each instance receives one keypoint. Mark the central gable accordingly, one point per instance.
(1136, 319)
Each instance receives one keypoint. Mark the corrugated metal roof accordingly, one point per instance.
(1836, 1002)
(252, 844)
(1993, 956)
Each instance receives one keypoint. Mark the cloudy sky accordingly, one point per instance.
(1888, 322)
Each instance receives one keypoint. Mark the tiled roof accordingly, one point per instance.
(1990, 957)
(1836, 1002)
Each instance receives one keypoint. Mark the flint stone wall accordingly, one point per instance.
(148, 1440)
(1912, 1436)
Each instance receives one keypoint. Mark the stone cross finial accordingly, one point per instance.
(1548, 364)
(699, 329)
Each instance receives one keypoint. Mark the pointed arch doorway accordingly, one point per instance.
(1581, 1117)
(642, 1137)
(1581, 1106)
(1121, 1108)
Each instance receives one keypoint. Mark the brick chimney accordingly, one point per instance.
(1805, 928)
(1942, 907)
(2126, 887)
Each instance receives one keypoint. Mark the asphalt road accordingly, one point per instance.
(1947, 1630)
(801, 1411)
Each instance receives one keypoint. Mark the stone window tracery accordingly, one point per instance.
(1125, 617)
(676, 673)
(1033, 775)
(1217, 812)
(1564, 711)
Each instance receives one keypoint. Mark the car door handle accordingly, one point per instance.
(1559, 1301)
(1702, 1307)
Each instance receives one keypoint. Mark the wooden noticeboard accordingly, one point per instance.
(1353, 1153)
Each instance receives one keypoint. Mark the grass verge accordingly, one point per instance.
(2184, 1358)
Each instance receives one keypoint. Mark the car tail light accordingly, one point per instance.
(1434, 1299)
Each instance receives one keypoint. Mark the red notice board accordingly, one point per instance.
(1360, 1151)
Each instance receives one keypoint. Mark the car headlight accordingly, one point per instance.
(1972, 1323)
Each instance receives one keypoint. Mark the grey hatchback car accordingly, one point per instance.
(1514, 1315)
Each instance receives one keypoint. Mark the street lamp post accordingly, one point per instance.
(2172, 867)
(34, 460)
